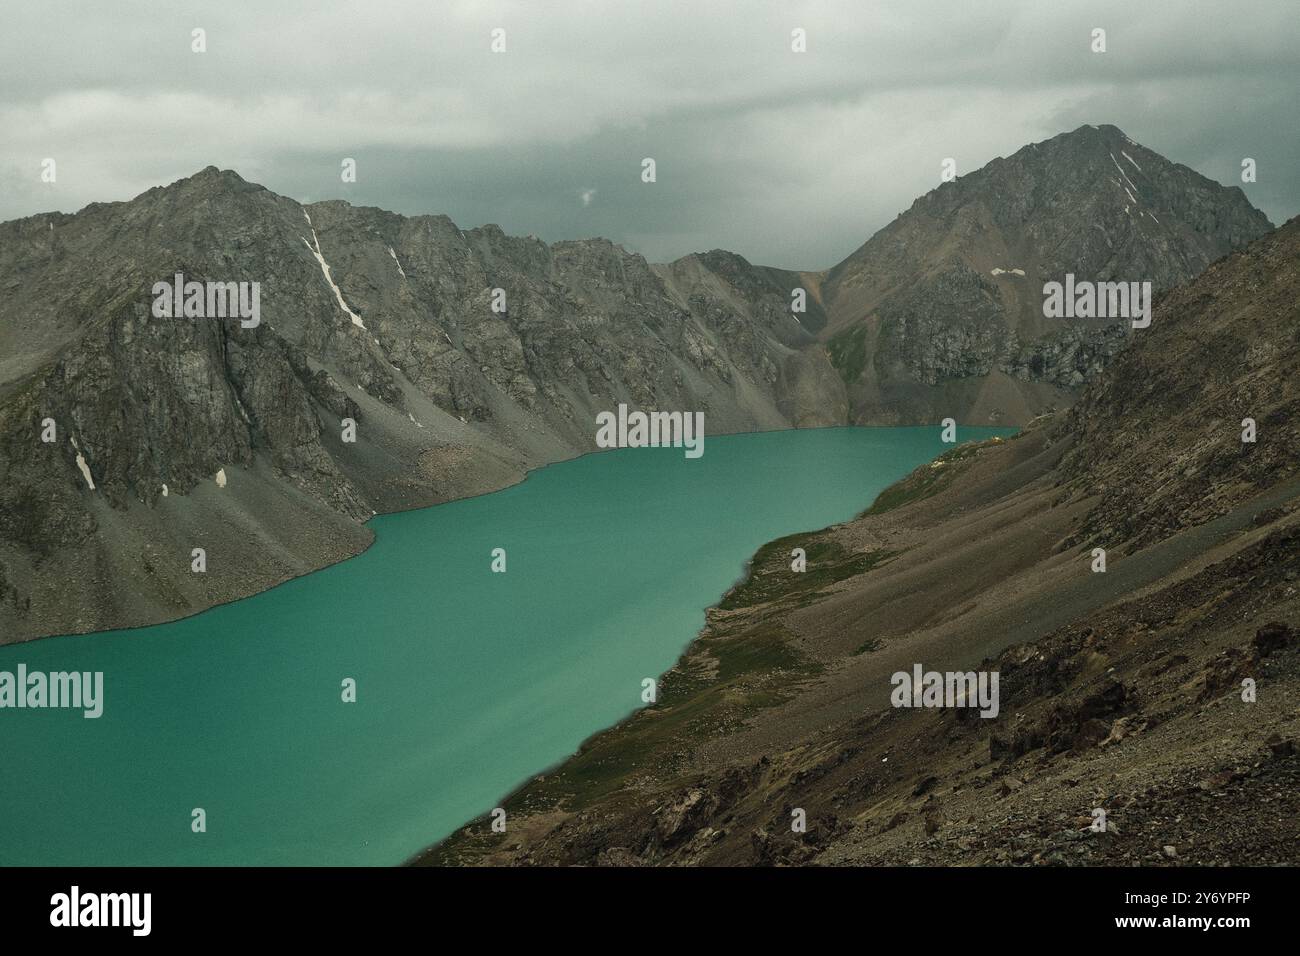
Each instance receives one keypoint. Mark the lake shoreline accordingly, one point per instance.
(492, 490)
(432, 855)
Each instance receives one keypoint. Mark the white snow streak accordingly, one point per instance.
(85, 469)
(314, 248)
(1121, 169)
(221, 478)
(1131, 160)
(399, 265)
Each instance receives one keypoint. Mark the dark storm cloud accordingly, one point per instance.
(790, 159)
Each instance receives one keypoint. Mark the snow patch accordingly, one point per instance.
(1121, 170)
(221, 478)
(85, 469)
(1131, 160)
(164, 491)
(1014, 272)
(399, 265)
(314, 248)
(413, 421)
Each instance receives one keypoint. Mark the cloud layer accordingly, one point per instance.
(791, 159)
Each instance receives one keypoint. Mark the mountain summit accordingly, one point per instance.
(940, 312)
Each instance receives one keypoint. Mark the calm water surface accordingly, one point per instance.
(468, 682)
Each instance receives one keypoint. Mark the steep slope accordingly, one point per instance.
(1160, 438)
(170, 434)
(1120, 690)
(742, 303)
(940, 313)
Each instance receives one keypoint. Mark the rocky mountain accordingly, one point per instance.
(1206, 413)
(1156, 695)
(940, 312)
(466, 357)
(167, 434)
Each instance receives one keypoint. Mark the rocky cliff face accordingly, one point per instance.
(128, 439)
(946, 301)
(466, 357)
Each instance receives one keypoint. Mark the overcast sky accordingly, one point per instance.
(790, 159)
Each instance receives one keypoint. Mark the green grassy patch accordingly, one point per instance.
(771, 579)
(927, 480)
(848, 352)
(755, 669)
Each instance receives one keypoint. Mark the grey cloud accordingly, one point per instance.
(788, 159)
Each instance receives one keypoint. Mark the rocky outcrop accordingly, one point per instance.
(952, 290)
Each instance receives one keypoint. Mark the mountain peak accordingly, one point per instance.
(952, 288)
(210, 178)
(212, 172)
(1103, 130)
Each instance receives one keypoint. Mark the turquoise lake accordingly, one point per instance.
(468, 681)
